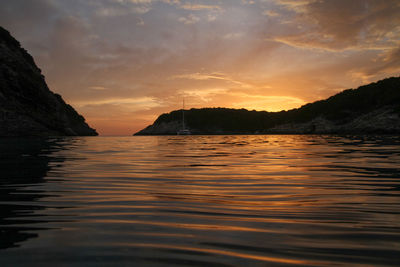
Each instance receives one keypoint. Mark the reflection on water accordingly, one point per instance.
(23, 164)
(201, 200)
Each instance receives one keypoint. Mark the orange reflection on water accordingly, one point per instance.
(214, 227)
(227, 253)
(281, 199)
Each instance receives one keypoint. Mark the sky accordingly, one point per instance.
(122, 63)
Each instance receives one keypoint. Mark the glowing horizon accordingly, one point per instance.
(122, 63)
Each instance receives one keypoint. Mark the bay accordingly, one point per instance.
(259, 200)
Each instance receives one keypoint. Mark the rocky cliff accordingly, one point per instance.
(369, 109)
(27, 106)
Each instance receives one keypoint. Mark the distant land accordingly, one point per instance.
(369, 109)
(27, 106)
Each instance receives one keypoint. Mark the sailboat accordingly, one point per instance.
(183, 131)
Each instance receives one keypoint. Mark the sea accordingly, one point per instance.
(227, 200)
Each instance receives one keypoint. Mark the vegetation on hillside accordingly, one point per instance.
(340, 108)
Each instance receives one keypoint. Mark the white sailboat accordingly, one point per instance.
(183, 131)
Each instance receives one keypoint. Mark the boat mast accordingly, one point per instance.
(183, 114)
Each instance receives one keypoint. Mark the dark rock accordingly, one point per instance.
(370, 109)
(27, 106)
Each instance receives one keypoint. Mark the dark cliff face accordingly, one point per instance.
(27, 106)
(370, 109)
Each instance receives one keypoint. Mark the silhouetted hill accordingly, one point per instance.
(373, 108)
(27, 106)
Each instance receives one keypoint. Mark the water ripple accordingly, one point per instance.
(201, 201)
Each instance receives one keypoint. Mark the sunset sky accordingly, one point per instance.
(121, 63)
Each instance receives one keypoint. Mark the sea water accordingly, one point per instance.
(261, 200)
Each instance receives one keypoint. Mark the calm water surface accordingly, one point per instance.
(200, 201)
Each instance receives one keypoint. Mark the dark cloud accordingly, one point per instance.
(342, 24)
